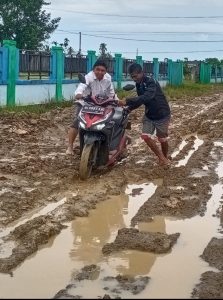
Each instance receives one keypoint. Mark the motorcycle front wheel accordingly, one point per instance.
(88, 160)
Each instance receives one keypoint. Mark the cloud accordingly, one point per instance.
(78, 22)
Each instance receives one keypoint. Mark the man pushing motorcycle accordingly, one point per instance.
(157, 112)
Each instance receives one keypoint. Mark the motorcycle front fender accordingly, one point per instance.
(91, 137)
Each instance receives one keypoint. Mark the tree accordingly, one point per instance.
(70, 51)
(65, 44)
(67, 49)
(213, 61)
(26, 22)
(103, 52)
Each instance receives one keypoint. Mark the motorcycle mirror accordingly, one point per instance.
(128, 87)
(81, 78)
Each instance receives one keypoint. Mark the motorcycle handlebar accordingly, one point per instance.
(111, 101)
(94, 100)
(107, 101)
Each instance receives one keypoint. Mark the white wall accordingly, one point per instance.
(68, 90)
(123, 83)
(3, 95)
(218, 80)
(163, 83)
(40, 93)
(34, 94)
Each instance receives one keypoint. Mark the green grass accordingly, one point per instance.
(123, 94)
(36, 109)
(190, 90)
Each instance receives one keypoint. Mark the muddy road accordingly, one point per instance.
(136, 230)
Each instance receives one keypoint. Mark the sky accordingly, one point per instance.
(117, 31)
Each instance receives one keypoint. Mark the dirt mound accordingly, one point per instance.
(126, 283)
(133, 239)
(213, 253)
(210, 287)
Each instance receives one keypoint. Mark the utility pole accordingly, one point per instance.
(79, 53)
(80, 43)
(137, 52)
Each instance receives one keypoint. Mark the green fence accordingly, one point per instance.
(172, 72)
(205, 73)
(175, 72)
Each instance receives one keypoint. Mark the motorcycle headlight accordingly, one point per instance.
(99, 126)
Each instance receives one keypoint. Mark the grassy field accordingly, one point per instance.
(188, 89)
(36, 108)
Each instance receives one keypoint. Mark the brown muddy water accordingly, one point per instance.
(172, 275)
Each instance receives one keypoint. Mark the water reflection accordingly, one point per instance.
(102, 225)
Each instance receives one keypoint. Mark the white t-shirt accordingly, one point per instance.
(96, 87)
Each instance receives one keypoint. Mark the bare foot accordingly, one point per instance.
(70, 151)
(164, 162)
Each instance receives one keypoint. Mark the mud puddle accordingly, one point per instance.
(138, 195)
(180, 148)
(42, 273)
(32, 215)
(81, 243)
(197, 143)
(177, 272)
(6, 248)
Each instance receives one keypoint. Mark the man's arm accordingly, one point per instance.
(83, 89)
(111, 91)
(148, 95)
(80, 90)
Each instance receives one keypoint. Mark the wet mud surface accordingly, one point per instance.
(210, 286)
(131, 238)
(112, 285)
(35, 175)
(213, 253)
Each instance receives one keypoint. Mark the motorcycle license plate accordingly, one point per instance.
(91, 109)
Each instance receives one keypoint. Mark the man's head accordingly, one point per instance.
(136, 72)
(100, 69)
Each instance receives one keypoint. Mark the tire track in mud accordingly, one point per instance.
(56, 174)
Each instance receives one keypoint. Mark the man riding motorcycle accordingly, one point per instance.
(98, 84)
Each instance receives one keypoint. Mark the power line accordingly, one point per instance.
(152, 41)
(134, 16)
(142, 40)
(160, 32)
(151, 32)
(163, 52)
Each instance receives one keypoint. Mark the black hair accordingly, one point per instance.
(100, 63)
(135, 68)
